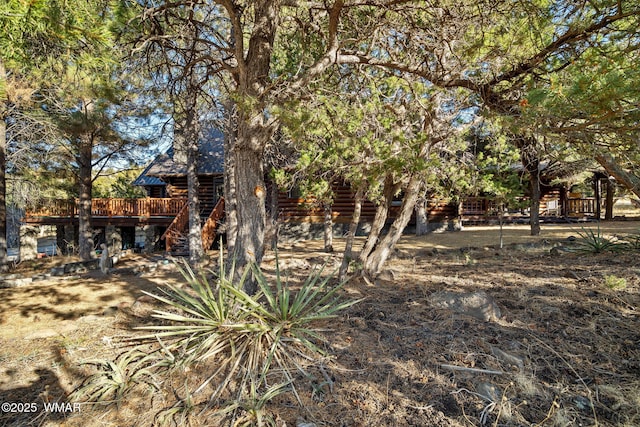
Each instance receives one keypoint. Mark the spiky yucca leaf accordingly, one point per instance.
(114, 379)
(251, 336)
(594, 242)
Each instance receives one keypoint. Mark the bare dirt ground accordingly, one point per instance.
(564, 350)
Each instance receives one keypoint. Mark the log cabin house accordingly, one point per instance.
(159, 221)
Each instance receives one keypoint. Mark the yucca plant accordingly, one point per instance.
(247, 338)
(633, 242)
(594, 242)
(251, 411)
(113, 379)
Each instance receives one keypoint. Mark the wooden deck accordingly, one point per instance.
(163, 211)
(112, 210)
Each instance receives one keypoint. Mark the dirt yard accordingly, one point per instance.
(561, 346)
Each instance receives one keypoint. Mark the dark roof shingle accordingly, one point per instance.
(210, 161)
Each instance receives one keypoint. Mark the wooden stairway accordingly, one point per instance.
(176, 235)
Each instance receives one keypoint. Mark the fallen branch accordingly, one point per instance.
(475, 370)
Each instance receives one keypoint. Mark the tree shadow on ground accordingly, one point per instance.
(26, 405)
(70, 298)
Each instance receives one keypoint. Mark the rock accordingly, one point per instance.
(82, 266)
(582, 403)
(75, 267)
(125, 271)
(474, 304)
(558, 250)
(15, 282)
(58, 271)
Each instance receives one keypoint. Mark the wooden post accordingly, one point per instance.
(611, 189)
(564, 202)
(597, 190)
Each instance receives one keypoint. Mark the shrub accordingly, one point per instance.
(615, 282)
(633, 242)
(594, 242)
(249, 342)
(113, 379)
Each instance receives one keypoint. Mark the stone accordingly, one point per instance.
(15, 282)
(105, 261)
(558, 250)
(113, 237)
(57, 271)
(474, 304)
(28, 242)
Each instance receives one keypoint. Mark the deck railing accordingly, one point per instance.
(483, 206)
(147, 207)
(582, 206)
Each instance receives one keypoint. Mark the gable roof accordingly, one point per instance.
(210, 161)
(144, 180)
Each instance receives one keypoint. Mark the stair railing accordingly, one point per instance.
(211, 224)
(177, 227)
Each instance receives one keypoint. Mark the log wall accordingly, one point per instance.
(292, 208)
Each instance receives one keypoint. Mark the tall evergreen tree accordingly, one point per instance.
(64, 52)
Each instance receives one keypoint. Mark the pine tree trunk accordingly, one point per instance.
(534, 206)
(4, 265)
(531, 163)
(188, 139)
(230, 203)
(196, 251)
(254, 131)
(250, 211)
(353, 228)
(375, 261)
(380, 219)
(85, 229)
(609, 200)
(328, 228)
(501, 221)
